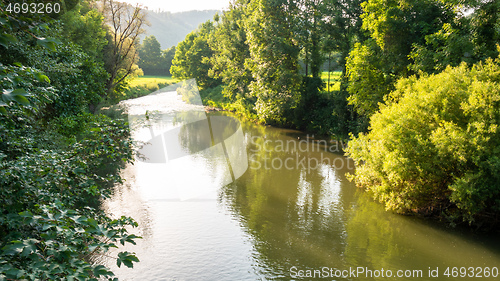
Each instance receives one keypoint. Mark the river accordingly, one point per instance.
(252, 202)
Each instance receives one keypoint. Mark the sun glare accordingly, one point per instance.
(181, 6)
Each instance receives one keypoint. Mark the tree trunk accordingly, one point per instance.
(329, 69)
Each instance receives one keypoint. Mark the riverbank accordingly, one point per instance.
(53, 176)
(437, 205)
(444, 210)
(287, 212)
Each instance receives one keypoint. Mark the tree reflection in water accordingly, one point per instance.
(316, 218)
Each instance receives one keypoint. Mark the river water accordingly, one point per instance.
(218, 198)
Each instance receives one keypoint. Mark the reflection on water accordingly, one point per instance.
(292, 207)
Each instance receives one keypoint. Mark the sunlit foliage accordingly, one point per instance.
(435, 146)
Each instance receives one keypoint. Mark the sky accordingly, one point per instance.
(181, 5)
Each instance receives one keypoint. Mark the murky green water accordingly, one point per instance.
(291, 213)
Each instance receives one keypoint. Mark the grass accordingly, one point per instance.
(151, 79)
(334, 80)
(142, 86)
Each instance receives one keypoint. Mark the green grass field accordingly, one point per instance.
(151, 79)
(334, 80)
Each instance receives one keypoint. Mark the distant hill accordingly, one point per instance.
(171, 28)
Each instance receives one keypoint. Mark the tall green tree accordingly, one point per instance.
(272, 28)
(192, 57)
(231, 54)
(394, 27)
(85, 26)
(167, 56)
(150, 55)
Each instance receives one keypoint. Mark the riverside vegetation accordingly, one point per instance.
(418, 96)
(58, 155)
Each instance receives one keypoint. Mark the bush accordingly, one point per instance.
(435, 147)
(215, 98)
(50, 222)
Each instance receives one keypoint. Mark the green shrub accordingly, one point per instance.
(51, 225)
(214, 97)
(435, 146)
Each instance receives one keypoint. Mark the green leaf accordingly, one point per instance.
(15, 248)
(129, 238)
(29, 247)
(6, 39)
(14, 273)
(41, 77)
(20, 92)
(22, 100)
(44, 26)
(78, 171)
(101, 270)
(48, 43)
(3, 110)
(127, 259)
(17, 95)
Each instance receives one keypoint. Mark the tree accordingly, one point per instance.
(231, 52)
(434, 147)
(167, 56)
(125, 26)
(153, 60)
(150, 55)
(394, 27)
(311, 12)
(192, 57)
(342, 27)
(272, 30)
(84, 26)
(465, 39)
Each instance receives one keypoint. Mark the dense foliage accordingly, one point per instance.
(191, 57)
(435, 146)
(152, 59)
(268, 56)
(57, 158)
(50, 225)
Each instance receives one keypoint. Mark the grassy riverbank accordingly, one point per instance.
(314, 116)
(152, 79)
(144, 85)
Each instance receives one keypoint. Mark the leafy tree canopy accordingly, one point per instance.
(434, 148)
